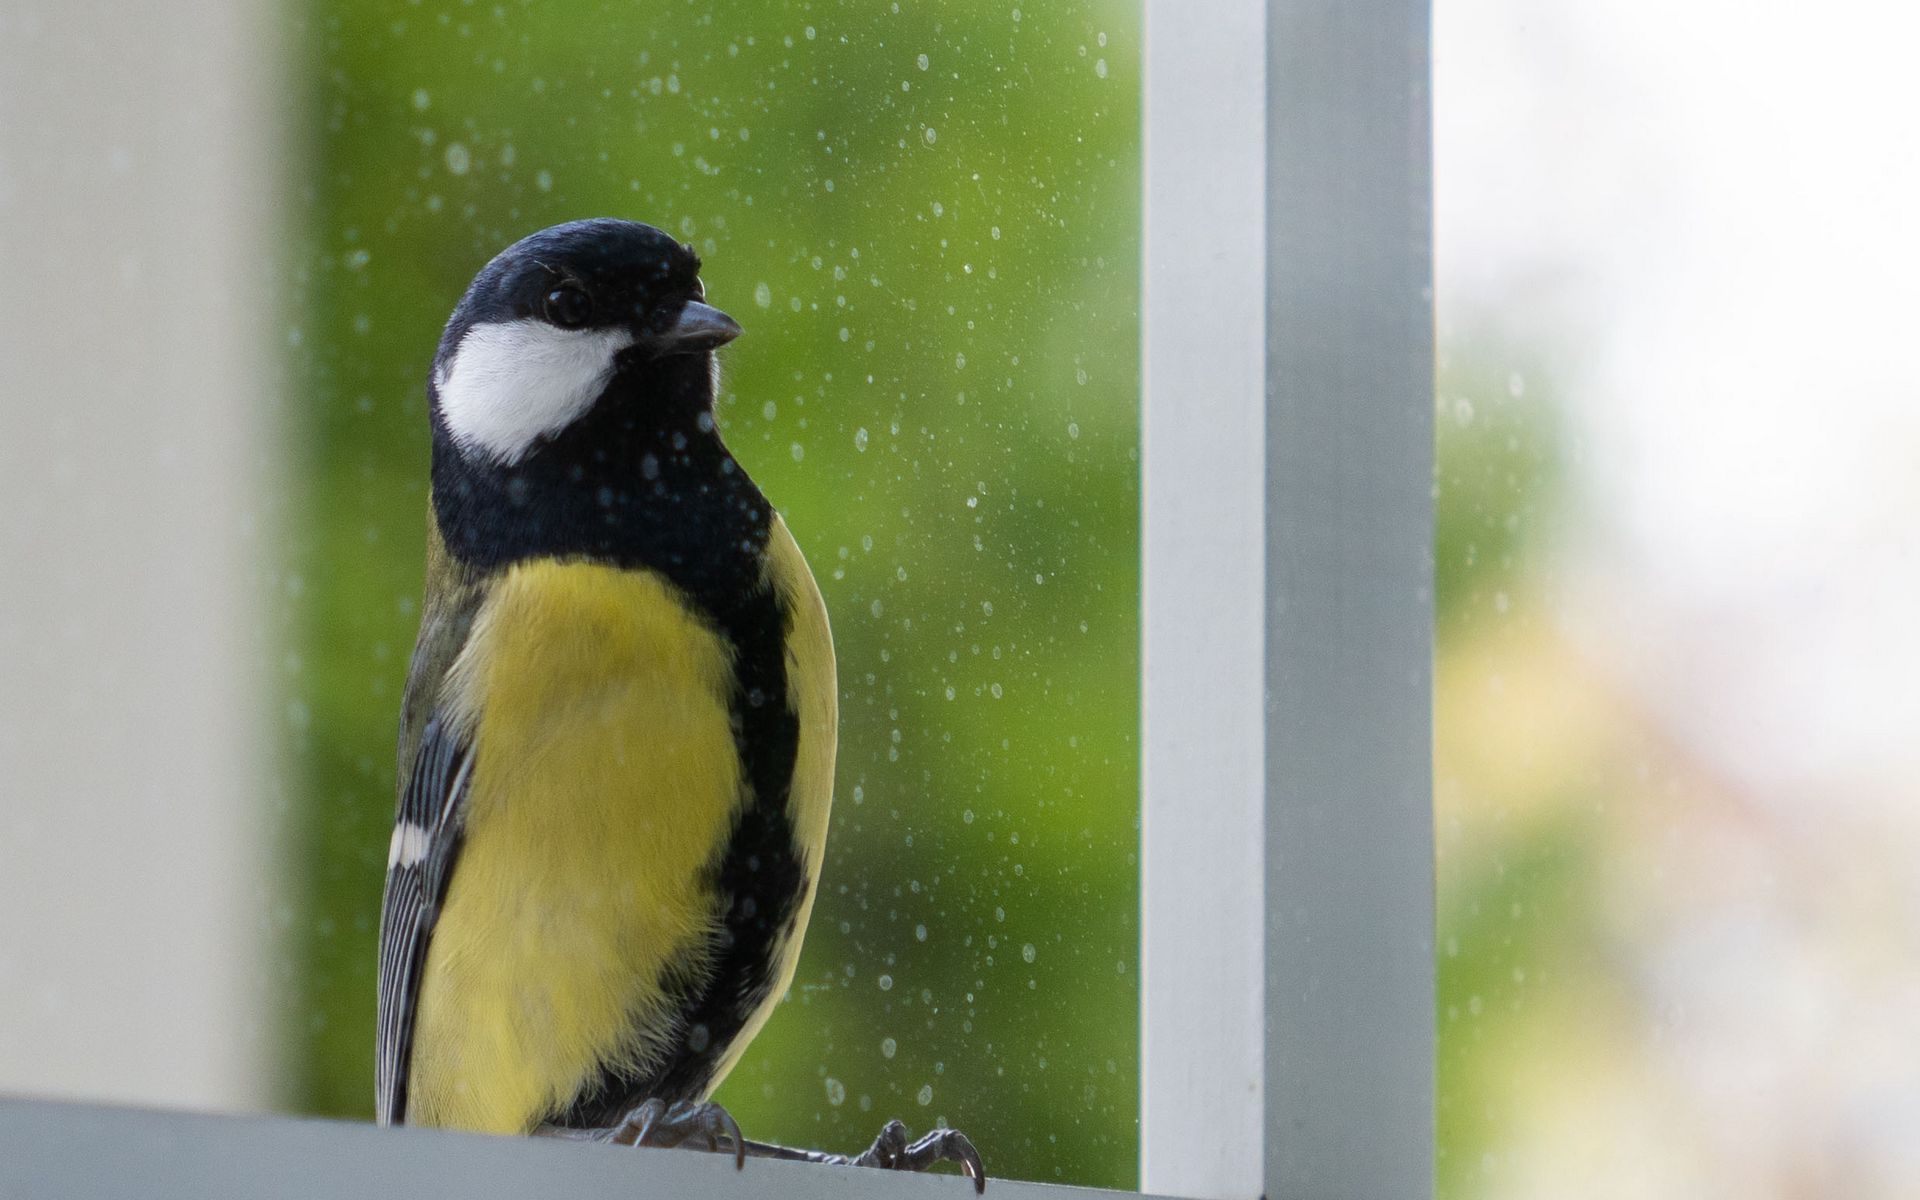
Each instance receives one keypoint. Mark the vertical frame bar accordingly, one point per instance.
(1349, 521)
(1287, 547)
(1203, 598)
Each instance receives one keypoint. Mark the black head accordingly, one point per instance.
(590, 312)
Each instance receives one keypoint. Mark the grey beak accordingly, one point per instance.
(699, 327)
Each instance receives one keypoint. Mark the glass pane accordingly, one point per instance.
(926, 219)
(1676, 751)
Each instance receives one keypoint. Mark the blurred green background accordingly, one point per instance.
(927, 218)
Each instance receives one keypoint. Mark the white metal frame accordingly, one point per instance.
(1287, 973)
(1203, 620)
(1287, 849)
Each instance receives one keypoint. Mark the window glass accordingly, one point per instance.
(926, 218)
(1675, 727)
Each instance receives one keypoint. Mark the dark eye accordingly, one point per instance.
(567, 306)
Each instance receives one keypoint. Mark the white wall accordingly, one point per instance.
(136, 407)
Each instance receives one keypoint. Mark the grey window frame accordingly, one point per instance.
(1287, 850)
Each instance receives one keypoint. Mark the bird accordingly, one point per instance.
(618, 731)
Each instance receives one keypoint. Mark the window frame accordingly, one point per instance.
(1287, 621)
(1287, 522)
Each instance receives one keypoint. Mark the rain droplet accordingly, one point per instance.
(421, 99)
(921, 62)
(1028, 952)
(1100, 67)
(925, 1097)
(762, 295)
(932, 135)
(886, 983)
(543, 180)
(888, 1047)
(458, 158)
(836, 1092)
(860, 439)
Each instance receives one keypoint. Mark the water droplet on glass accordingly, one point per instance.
(836, 1092)
(762, 295)
(458, 158)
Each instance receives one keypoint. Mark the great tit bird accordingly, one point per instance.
(617, 736)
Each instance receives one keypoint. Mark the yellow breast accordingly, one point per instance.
(605, 782)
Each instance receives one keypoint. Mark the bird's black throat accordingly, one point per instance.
(641, 481)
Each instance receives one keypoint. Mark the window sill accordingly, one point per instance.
(51, 1151)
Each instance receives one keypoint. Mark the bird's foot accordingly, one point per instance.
(892, 1151)
(684, 1122)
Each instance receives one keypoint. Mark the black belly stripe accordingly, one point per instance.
(667, 497)
(760, 878)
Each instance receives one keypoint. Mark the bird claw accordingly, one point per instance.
(656, 1123)
(891, 1151)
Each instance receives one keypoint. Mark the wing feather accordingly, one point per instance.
(426, 841)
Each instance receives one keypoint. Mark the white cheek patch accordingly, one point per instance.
(511, 383)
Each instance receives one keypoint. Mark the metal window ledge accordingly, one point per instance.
(56, 1151)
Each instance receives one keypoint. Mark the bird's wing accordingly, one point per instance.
(426, 840)
(436, 762)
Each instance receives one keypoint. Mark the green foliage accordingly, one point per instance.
(926, 217)
(1499, 474)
